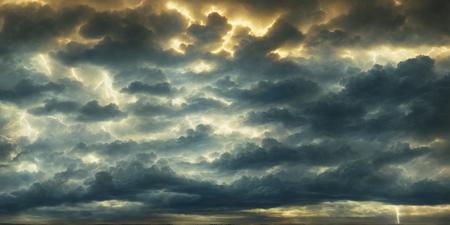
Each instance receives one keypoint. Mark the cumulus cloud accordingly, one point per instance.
(27, 89)
(92, 111)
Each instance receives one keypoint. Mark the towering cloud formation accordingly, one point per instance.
(225, 111)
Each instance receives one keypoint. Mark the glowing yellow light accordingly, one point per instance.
(397, 215)
(41, 2)
(227, 43)
(256, 30)
(58, 118)
(214, 9)
(107, 127)
(108, 90)
(182, 10)
(99, 84)
(27, 167)
(26, 129)
(289, 52)
(354, 209)
(116, 203)
(177, 45)
(347, 54)
(366, 58)
(202, 67)
(224, 125)
(45, 64)
(90, 159)
(64, 40)
(74, 75)
(177, 101)
(439, 51)
(438, 141)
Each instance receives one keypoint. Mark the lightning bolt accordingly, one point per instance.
(74, 75)
(397, 214)
(45, 64)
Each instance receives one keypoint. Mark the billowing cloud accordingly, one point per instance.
(224, 111)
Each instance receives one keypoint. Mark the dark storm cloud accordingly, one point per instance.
(253, 56)
(210, 35)
(115, 26)
(369, 23)
(353, 180)
(53, 106)
(167, 24)
(298, 12)
(32, 27)
(156, 89)
(318, 36)
(272, 153)
(144, 75)
(429, 15)
(328, 153)
(280, 33)
(13, 180)
(370, 17)
(6, 149)
(142, 108)
(202, 104)
(275, 115)
(360, 180)
(92, 111)
(293, 91)
(127, 37)
(384, 100)
(197, 139)
(126, 180)
(384, 91)
(194, 104)
(258, 129)
(117, 52)
(26, 90)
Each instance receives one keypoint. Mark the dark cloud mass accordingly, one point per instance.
(225, 112)
(92, 111)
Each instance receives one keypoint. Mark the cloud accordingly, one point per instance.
(429, 15)
(210, 35)
(53, 106)
(6, 149)
(34, 27)
(92, 111)
(367, 105)
(268, 92)
(26, 90)
(196, 139)
(217, 110)
(156, 89)
(275, 115)
(272, 153)
(192, 105)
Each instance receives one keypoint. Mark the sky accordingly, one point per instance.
(235, 112)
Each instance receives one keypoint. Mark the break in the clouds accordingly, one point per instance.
(309, 111)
